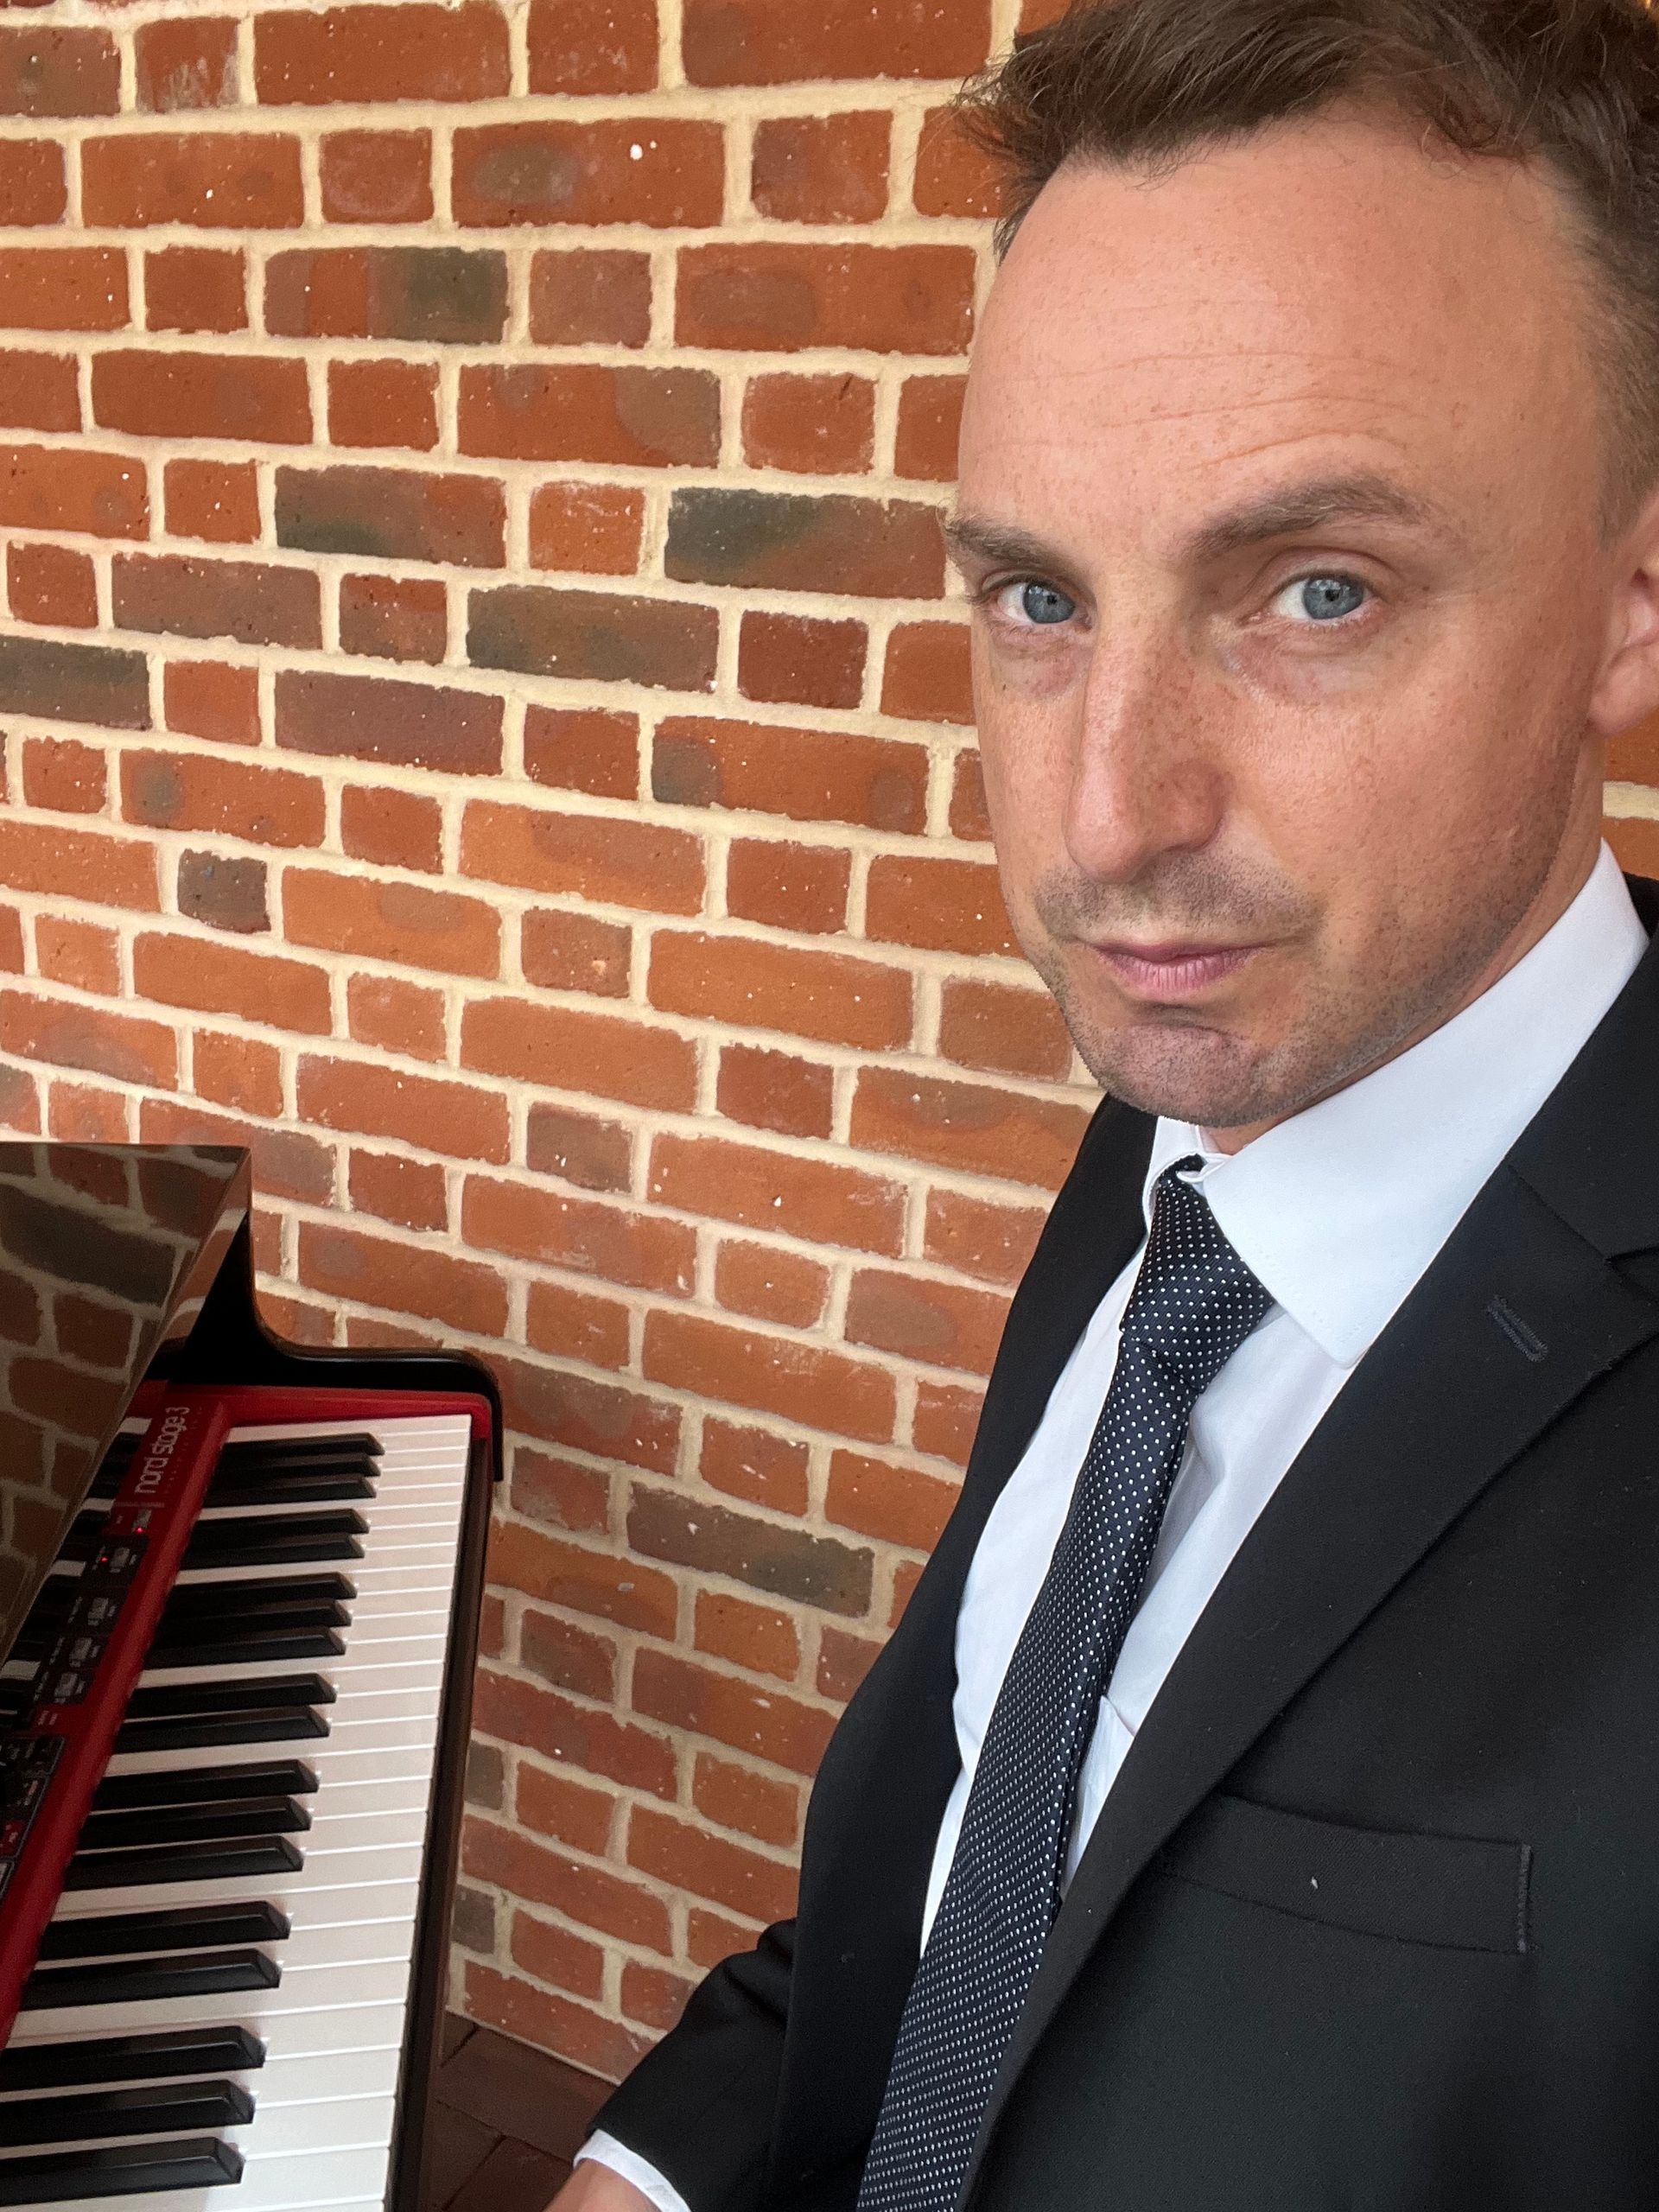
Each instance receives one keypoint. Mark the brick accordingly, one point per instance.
(195, 288)
(754, 42)
(843, 1661)
(589, 529)
(251, 601)
(820, 1200)
(819, 425)
(953, 176)
(774, 1090)
(769, 1284)
(935, 1324)
(698, 1701)
(596, 1896)
(82, 1113)
(590, 296)
(192, 791)
(78, 953)
(409, 1193)
(20, 1103)
(63, 776)
(287, 1163)
(592, 46)
(379, 719)
(754, 985)
(63, 288)
(396, 1015)
(567, 1657)
(928, 673)
(970, 1126)
(446, 1117)
(895, 1504)
(373, 53)
(394, 618)
(473, 1923)
(581, 1415)
(558, 1048)
(392, 1273)
(240, 1072)
(789, 541)
(11, 958)
(73, 683)
(800, 660)
(404, 924)
(612, 860)
(643, 418)
(534, 2015)
(189, 63)
(434, 295)
(778, 297)
(485, 1772)
(213, 180)
(809, 775)
(217, 500)
(586, 1236)
(549, 172)
(38, 859)
(711, 1937)
(569, 1812)
(554, 1727)
(1633, 757)
(52, 584)
(580, 1148)
(569, 1575)
(382, 403)
(188, 971)
(130, 1050)
(1003, 1030)
(205, 699)
(752, 1464)
(559, 1492)
(224, 893)
(595, 637)
(583, 749)
(57, 488)
(575, 1324)
(970, 817)
(32, 188)
(48, 71)
(554, 1955)
(576, 952)
(377, 176)
(653, 1996)
(734, 1796)
(822, 168)
(797, 1382)
(710, 1866)
(977, 1237)
(948, 905)
(930, 423)
(1635, 845)
(392, 514)
(39, 392)
(202, 396)
(789, 886)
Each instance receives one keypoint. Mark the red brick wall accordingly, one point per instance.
(486, 722)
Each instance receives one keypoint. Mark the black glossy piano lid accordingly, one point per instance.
(106, 1252)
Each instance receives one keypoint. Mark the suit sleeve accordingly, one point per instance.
(699, 2108)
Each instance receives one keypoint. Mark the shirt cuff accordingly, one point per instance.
(620, 2160)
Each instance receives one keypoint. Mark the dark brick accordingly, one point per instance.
(600, 637)
(244, 599)
(786, 541)
(643, 418)
(394, 618)
(47, 71)
(559, 172)
(392, 514)
(597, 295)
(486, 1781)
(375, 718)
(786, 1562)
(229, 894)
(579, 1147)
(472, 1923)
(437, 294)
(73, 683)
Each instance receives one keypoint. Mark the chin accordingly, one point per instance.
(1211, 1077)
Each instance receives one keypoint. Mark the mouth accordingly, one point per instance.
(1170, 974)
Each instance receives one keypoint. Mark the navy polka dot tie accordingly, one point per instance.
(1193, 1304)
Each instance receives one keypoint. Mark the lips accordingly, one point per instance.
(1173, 972)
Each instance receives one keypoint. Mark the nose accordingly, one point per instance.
(1148, 773)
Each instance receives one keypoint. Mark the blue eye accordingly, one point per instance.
(1042, 604)
(1328, 598)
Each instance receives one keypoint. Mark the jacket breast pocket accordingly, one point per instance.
(1462, 1893)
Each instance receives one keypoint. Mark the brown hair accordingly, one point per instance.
(1573, 84)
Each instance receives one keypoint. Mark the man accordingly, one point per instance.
(1258, 1804)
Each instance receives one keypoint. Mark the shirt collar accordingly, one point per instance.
(1339, 1209)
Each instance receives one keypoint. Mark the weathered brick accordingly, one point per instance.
(737, 1797)
(195, 288)
(596, 1896)
(927, 676)
(592, 529)
(643, 418)
(1003, 1029)
(590, 296)
(287, 1163)
(583, 1581)
(191, 791)
(375, 718)
(596, 637)
(980, 1237)
(822, 168)
(821, 1200)
(753, 1463)
(583, 749)
(251, 601)
(950, 906)
(394, 618)
(576, 952)
(559, 1048)
(391, 828)
(215, 500)
(819, 425)
(775, 541)
(770, 1285)
(809, 775)
(205, 699)
(970, 1127)
(372, 53)
(654, 1997)
(843, 1661)
(533, 2014)
(710, 1867)
(213, 180)
(188, 63)
(32, 188)
(551, 1228)
(73, 1036)
(392, 514)
(554, 1728)
(592, 46)
(404, 924)
(936, 1323)
(881, 1498)
(576, 1325)
(410, 1193)
(930, 422)
(798, 1382)
(799, 660)
(790, 886)
(558, 172)
(777, 297)
(39, 392)
(382, 403)
(63, 776)
(433, 294)
(774, 1090)
(756, 985)
(567, 1657)
(240, 1072)
(755, 42)
(582, 1414)
(693, 1698)
(616, 860)
(226, 891)
(63, 288)
(969, 816)
(45, 70)
(57, 488)
(452, 1118)
(202, 396)
(83, 1113)
(189, 971)
(396, 1015)
(569, 1811)
(53, 584)
(406, 1278)
(73, 683)
(377, 176)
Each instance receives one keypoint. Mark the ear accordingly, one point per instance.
(1627, 689)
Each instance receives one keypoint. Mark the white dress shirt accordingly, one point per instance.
(1338, 1212)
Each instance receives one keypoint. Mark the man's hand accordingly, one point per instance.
(594, 2188)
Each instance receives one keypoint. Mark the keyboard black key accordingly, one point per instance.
(252, 1692)
(242, 1595)
(275, 1539)
(154, 2111)
(49, 2177)
(293, 1490)
(149, 2056)
(262, 1644)
(172, 1928)
(207, 1731)
(182, 1862)
(142, 1828)
(251, 1451)
(203, 1786)
(135, 1981)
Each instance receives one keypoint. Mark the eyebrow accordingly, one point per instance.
(1286, 513)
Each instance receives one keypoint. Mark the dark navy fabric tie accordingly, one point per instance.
(1193, 1304)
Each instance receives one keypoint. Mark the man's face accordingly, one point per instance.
(1269, 806)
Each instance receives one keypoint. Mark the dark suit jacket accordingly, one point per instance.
(1371, 1919)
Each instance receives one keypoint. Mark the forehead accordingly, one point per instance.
(1321, 286)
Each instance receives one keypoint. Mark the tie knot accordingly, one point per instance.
(1194, 1300)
